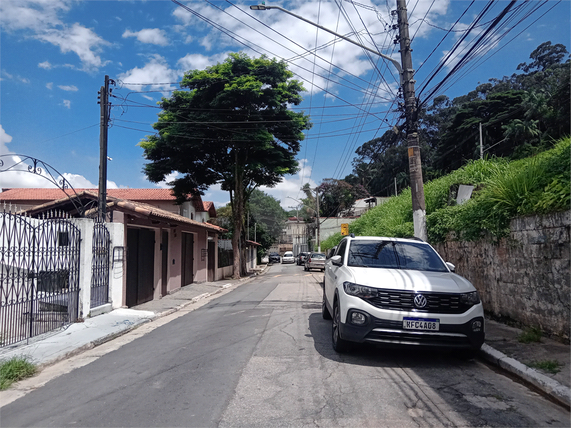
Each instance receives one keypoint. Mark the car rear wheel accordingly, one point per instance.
(324, 311)
(339, 345)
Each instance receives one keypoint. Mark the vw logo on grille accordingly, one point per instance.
(420, 301)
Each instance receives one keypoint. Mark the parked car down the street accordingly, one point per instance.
(288, 257)
(300, 259)
(274, 258)
(315, 261)
(392, 291)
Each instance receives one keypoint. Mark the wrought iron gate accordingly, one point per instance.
(100, 264)
(39, 275)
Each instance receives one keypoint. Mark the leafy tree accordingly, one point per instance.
(265, 219)
(229, 124)
(461, 142)
(336, 196)
(544, 56)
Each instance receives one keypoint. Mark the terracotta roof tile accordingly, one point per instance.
(151, 211)
(21, 194)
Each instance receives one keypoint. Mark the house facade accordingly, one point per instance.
(158, 252)
(294, 237)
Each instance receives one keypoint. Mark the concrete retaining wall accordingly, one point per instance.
(524, 277)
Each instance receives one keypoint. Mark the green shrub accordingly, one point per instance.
(530, 335)
(549, 366)
(503, 190)
(15, 369)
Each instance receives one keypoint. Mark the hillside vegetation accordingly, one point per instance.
(503, 190)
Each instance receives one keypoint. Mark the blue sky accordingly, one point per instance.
(55, 54)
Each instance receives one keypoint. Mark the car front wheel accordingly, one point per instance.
(324, 311)
(339, 345)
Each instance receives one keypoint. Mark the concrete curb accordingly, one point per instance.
(109, 337)
(92, 344)
(128, 328)
(551, 387)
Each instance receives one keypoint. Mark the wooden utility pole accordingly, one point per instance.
(317, 217)
(411, 113)
(103, 128)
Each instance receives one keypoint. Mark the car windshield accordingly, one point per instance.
(318, 256)
(394, 255)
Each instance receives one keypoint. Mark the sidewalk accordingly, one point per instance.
(58, 345)
(502, 347)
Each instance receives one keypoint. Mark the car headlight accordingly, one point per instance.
(361, 291)
(470, 298)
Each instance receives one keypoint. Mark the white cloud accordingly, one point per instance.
(9, 76)
(462, 50)
(17, 174)
(427, 11)
(152, 36)
(164, 184)
(40, 19)
(71, 88)
(200, 62)
(290, 186)
(4, 140)
(82, 41)
(50, 85)
(78, 181)
(276, 35)
(67, 103)
(33, 15)
(155, 73)
(217, 196)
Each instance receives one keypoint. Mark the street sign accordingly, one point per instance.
(344, 229)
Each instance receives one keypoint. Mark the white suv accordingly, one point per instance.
(394, 291)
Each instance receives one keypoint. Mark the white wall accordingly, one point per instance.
(116, 268)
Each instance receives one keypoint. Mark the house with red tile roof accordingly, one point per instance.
(163, 250)
(194, 207)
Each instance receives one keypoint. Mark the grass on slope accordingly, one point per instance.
(503, 190)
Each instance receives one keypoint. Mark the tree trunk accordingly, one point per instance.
(237, 214)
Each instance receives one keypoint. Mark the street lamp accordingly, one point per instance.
(316, 217)
(407, 83)
(395, 62)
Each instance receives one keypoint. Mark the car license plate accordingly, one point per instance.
(425, 324)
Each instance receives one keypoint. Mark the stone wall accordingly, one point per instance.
(524, 277)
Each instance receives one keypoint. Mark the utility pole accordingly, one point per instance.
(103, 128)
(317, 219)
(411, 114)
(481, 143)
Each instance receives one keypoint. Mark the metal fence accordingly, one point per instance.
(100, 264)
(39, 275)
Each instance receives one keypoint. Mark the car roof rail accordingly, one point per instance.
(416, 238)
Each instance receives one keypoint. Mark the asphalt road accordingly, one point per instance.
(260, 356)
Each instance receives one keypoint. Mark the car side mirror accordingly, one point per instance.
(336, 260)
(451, 266)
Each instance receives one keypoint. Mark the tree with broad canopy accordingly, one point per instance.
(231, 126)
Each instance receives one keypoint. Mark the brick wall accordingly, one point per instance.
(524, 277)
